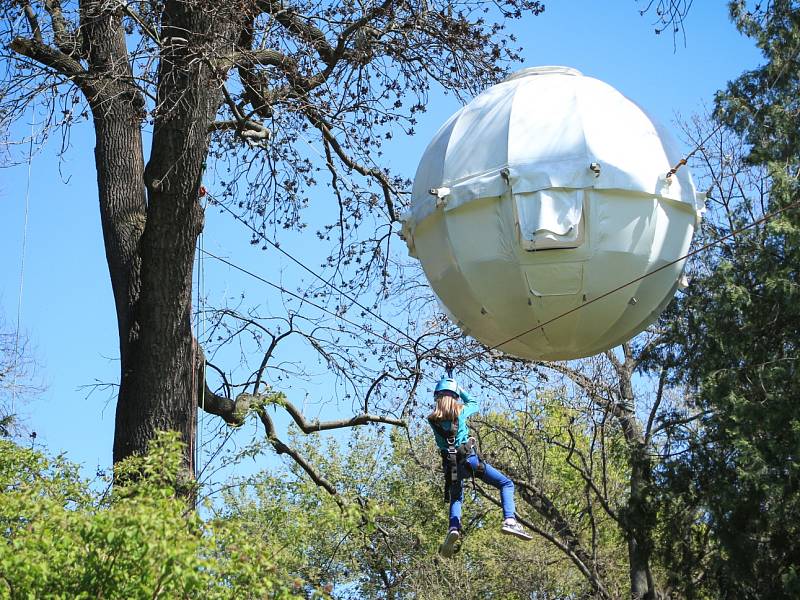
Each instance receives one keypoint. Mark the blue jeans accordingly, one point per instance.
(491, 476)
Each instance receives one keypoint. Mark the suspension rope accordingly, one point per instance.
(307, 301)
(200, 332)
(22, 267)
(685, 159)
(392, 342)
(699, 146)
(416, 343)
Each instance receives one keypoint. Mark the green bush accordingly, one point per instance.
(61, 539)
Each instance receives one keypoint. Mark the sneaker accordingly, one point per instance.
(512, 527)
(448, 548)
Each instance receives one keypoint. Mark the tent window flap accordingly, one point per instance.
(550, 219)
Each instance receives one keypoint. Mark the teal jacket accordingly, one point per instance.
(462, 431)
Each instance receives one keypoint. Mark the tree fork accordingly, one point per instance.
(159, 383)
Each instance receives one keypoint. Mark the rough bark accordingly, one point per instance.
(119, 161)
(639, 524)
(638, 518)
(159, 383)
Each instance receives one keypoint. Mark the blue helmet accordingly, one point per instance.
(446, 384)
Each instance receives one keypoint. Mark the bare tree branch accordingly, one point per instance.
(282, 448)
(662, 379)
(376, 174)
(296, 25)
(314, 426)
(55, 59)
(33, 21)
(571, 547)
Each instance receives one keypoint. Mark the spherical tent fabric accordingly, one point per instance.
(541, 195)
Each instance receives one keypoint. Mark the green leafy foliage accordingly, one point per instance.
(62, 539)
(552, 448)
(385, 544)
(733, 498)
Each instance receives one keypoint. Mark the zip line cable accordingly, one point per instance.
(22, 267)
(703, 248)
(463, 360)
(691, 253)
(304, 300)
(282, 289)
(311, 271)
(415, 343)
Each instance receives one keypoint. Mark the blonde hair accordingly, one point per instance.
(447, 407)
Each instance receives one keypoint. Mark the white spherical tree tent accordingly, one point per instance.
(540, 196)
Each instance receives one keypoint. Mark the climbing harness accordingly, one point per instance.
(449, 457)
(454, 457)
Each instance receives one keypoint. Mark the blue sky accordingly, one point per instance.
(67, 307)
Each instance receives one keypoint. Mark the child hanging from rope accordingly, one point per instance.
(460, 460)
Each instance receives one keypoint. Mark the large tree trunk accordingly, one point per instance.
(150, 244)
(117, 109)
(640, 524)
(639, 515)
(640, 588)
(159, 386)
(119, 160)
